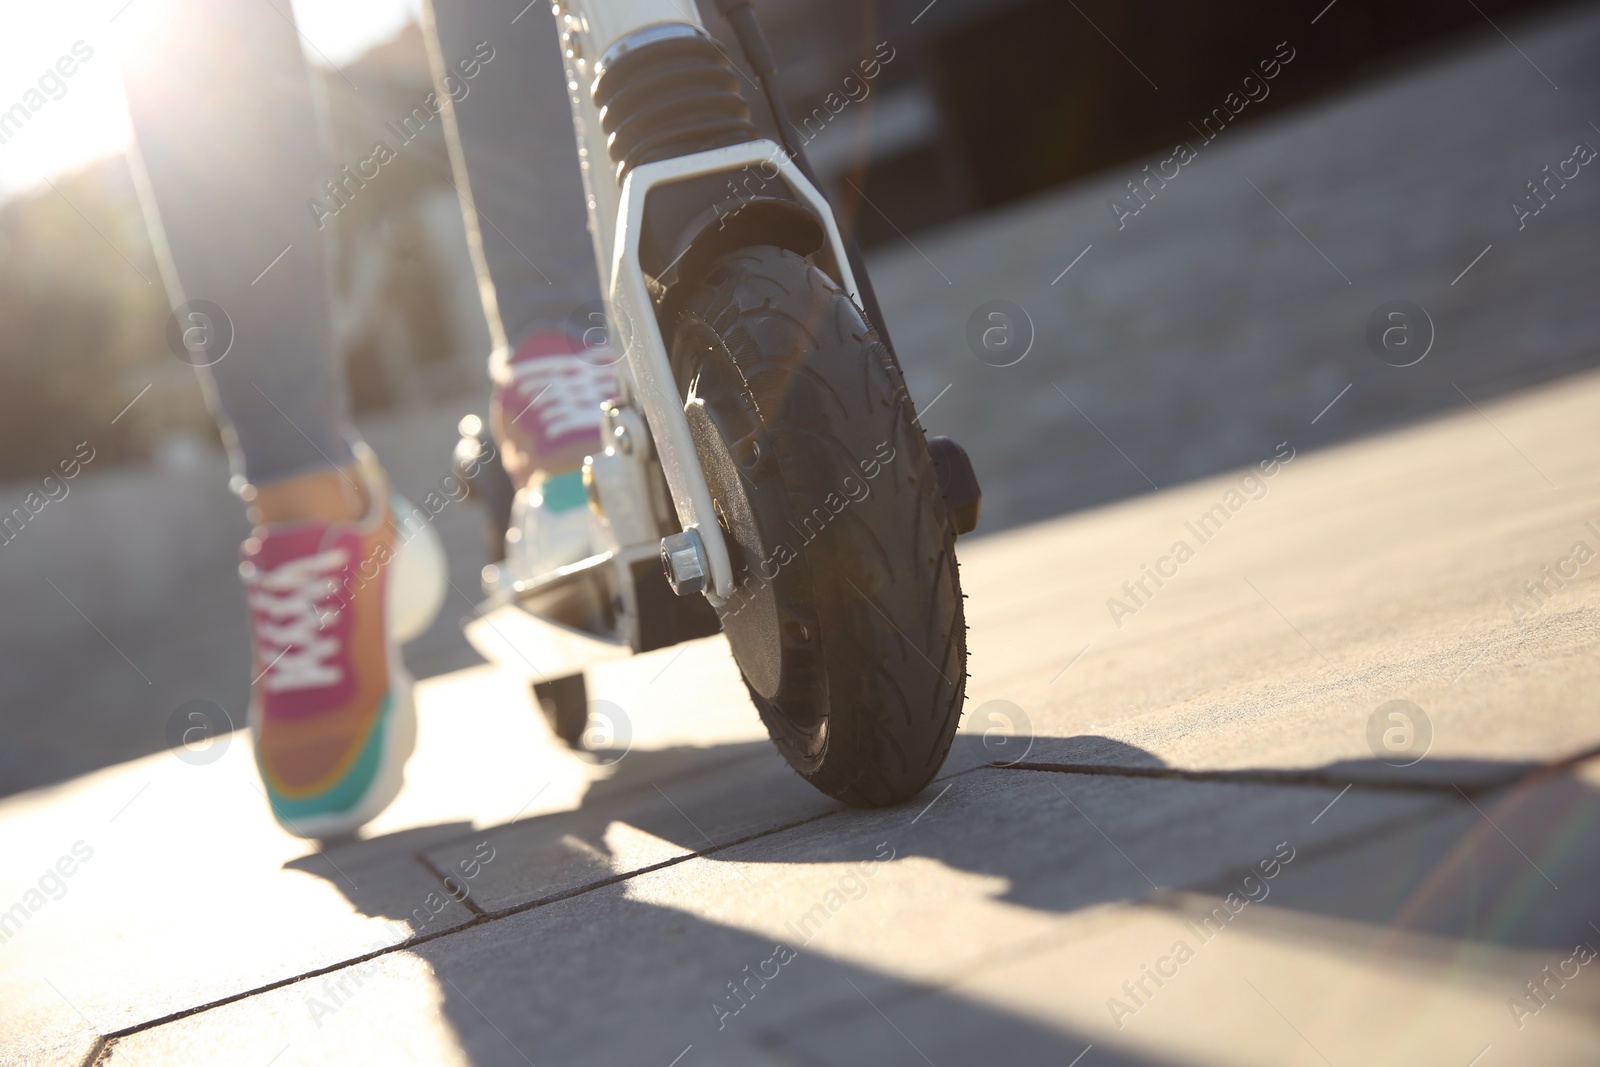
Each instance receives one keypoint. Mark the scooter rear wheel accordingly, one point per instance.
(847, 623)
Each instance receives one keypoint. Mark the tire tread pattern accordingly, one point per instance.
(888, 586)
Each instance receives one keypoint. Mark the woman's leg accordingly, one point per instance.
(225, 122)
(223, 112)
(509, 128)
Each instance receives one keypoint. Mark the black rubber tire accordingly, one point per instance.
(883, 574)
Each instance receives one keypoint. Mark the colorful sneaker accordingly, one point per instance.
(545, 408)
(331, 710)
(545, 415)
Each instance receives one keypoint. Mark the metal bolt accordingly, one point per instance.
(683, 559)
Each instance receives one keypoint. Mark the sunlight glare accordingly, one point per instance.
(52, 121)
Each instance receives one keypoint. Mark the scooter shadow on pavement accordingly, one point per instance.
(588, 971)
(1463, 855)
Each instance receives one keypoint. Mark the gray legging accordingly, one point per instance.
(227, 130)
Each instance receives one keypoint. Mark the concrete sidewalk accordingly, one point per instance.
(1167, 835)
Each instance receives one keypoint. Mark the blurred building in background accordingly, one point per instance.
(990, 101)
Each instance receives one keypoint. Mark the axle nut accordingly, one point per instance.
(683, 559)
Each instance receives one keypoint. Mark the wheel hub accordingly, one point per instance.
(771, 619)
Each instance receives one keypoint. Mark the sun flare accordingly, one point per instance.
(61, 99)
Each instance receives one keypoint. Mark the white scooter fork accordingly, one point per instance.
(629, 148)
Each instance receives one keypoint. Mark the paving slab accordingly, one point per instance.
(1410, 946)
(157, 886)
(659, 806)
(1396, 568)
(190, 894)
(871, 904)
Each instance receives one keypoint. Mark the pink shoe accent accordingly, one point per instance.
(300, 583)
(550, 401)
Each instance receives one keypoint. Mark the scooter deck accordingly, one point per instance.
(514, 639)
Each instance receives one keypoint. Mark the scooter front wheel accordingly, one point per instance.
(847, 620)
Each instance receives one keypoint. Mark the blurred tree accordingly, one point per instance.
(81, 312)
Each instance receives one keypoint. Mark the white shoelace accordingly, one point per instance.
(293, 643)
(566, 392)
